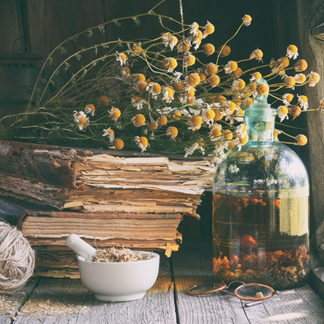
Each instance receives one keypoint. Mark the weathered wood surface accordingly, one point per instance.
(67, 301)
(193, 266)
(10, 305)
(59, 301)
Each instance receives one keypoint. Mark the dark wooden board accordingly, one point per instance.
(156, 307)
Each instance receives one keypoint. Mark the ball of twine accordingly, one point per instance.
(17, 259)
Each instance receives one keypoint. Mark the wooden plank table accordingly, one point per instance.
(62, 301)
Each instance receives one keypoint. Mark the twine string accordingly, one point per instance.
(17, 259)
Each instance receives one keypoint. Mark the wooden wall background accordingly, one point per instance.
(276, 24)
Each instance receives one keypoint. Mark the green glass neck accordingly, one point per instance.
(260, 123)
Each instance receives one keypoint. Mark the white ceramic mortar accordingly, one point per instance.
(114, 281)
(119, 281)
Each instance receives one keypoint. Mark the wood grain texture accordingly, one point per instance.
(193, 266)
(10, 16)
(11, 304)
(80, 306)
(307, 15)
(51, 22)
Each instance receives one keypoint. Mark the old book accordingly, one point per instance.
(100, 181)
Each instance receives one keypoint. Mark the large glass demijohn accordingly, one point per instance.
(260, 209)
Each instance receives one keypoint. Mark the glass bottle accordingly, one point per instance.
(261, 210)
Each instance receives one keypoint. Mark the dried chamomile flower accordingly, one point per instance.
(189, 60)
(142, 143)
(202, 76)
(168, 93)
(81, 119)
(300, 78)
(118, 144)
(139, 77)
(276, 134)
(287, 98)
(184, 46)
(211, 69)
(230, 67)
(163, 120)
(126, 71)
(303, 101)
(300, 66)
(138, 120)
(141, 86)
(122, 58)
(228, 135)
(225, 50)
(114, 113)
(209, 28)
(262, 89)
(292, 51)
(191, 100)
(209, 49)
(172, 132)
(237, 73)
(215, 131)
(153, 125)
(154, 89)
(190, 92)
(301, 140)
(173, 42)
(177, 115)
(240, 131)
(90, 109)
(282, 112)
(195, 122)
(290, 82)
(239, 116)
(238, 84)
(194, 27)
(176, 76)
(110, 133)
(283, 62)
(103, 101)
(178, 86)
(257, 54)
(196, 40)
(240, 141)
(207, 115)
(170, 64)
(256, 76)
(274, 66)
(313, 78)
(193, 148)
(247, 20)
(218, 115)
(137, 50)
(247, 102)
(294, 111)
(193, 79)
(137, 102)
(214, 80)
(230, 107)
(166, 38)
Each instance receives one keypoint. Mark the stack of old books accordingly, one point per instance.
(105, 199)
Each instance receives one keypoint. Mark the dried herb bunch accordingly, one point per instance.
(157, 95)
(117, 254)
